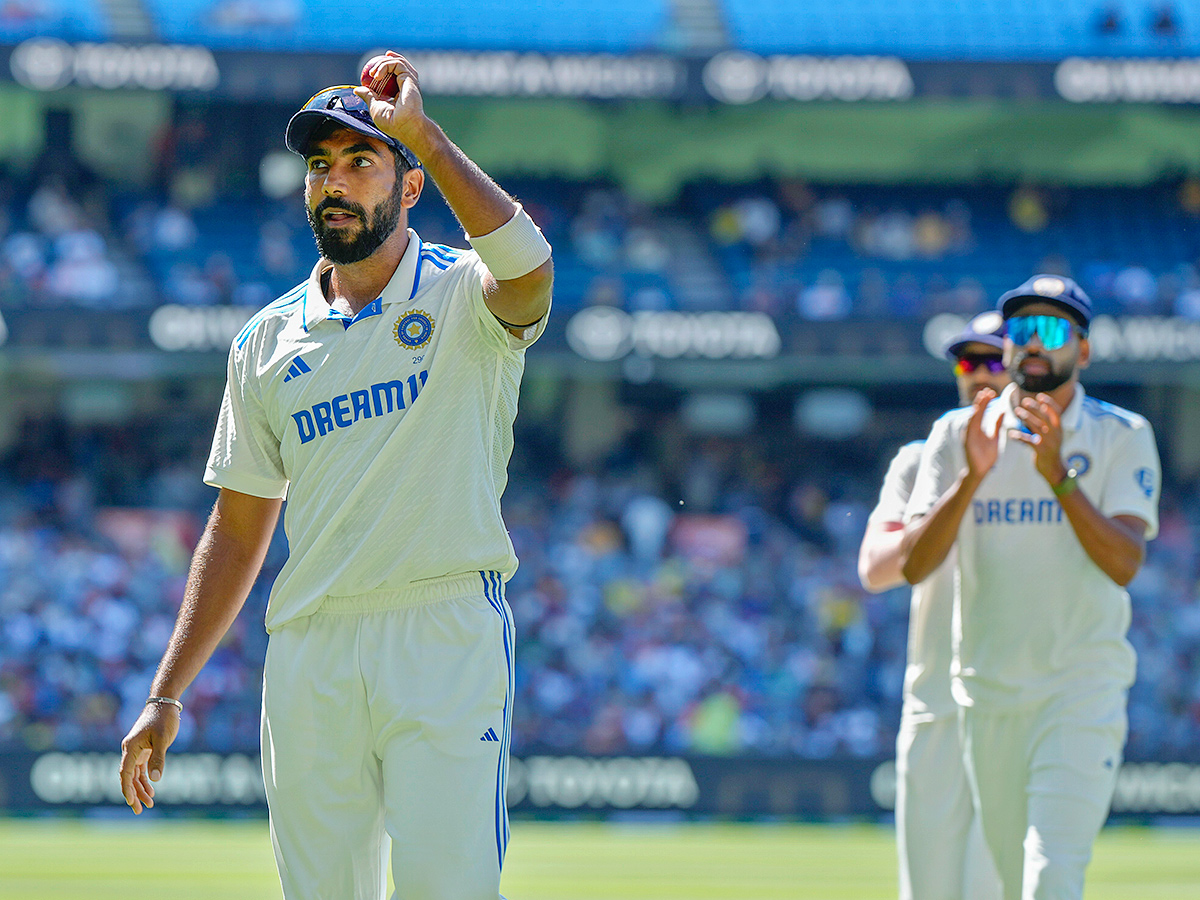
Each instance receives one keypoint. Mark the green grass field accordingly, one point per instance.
(61, 859)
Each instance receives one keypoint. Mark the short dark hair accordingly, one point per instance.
(323, 130)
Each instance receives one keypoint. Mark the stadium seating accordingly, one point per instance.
(628, 627)
(894, 251)
(949, 29)
(634, 616)
(65, 19)
(621, 26)
(939, 29)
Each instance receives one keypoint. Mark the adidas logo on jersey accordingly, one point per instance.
(489, 735)
(296, 369)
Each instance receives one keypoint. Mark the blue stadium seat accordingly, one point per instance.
(574, 25)
(914, 29)
(65, 19)
(950, 29)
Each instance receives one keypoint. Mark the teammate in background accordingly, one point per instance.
(938, 840)
(378, 397)
(1050, 497)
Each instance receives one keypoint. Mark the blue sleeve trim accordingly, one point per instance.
(449, 254)
(1098, 409)
(291, 298)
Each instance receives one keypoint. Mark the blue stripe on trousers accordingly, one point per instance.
(493, 592)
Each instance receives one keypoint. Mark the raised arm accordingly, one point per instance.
(927, 540)
(1117, 544)
(224, 566)
(518, 293)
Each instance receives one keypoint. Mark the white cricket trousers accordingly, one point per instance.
(1043, 778)
(938, 838)
(386, 716)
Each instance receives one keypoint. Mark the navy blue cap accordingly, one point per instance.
(986, 328)
(1056, 289)
(341, 105)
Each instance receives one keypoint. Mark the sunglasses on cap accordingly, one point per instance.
(1054, 332)
(969, 363)
(342, 97)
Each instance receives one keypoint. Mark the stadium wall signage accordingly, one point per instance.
(738, 77)
(1139, 339)
(1082, 80)
(734, 77)
(598, 76)
(48, 64)
(1161, 347)
(604, 333)
(173, 327)
(549, 785)
(574, 782)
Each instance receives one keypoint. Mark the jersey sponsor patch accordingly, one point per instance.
(1016, 511)
(346, 409)
(414, 329)
(1145, 480)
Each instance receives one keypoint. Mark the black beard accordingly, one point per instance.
(341, 250)
(1040, 384)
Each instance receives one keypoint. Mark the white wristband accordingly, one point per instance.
(514, 249)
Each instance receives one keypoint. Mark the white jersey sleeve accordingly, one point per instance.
(245, 449)
(897, 485)
(1134, 478)
(492, 329)
(942, 458)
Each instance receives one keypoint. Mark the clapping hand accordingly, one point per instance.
(1042, 416)
(982, 448)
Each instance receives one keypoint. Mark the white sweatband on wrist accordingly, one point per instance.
(514, 249)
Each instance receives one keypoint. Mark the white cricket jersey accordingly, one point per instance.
(1036, 616)
(927, 673)
(389, 434)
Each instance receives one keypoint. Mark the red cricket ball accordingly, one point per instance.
(387, 86)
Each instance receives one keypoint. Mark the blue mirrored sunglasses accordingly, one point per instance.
(1052, 331)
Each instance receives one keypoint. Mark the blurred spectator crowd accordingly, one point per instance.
(796, 251)
(698, 599)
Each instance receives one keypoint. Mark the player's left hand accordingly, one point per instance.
(402, 115)
(143, 754)
(1043, 417)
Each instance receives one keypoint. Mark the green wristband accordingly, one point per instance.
(1066, 486)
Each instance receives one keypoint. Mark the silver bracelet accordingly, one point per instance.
(170, 700)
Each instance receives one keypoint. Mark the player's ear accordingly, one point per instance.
(1085, 352)
(414, 183)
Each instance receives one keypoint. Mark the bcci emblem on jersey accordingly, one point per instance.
(414, 329)
(1079, 463)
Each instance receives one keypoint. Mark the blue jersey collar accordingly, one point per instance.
(399, 289)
